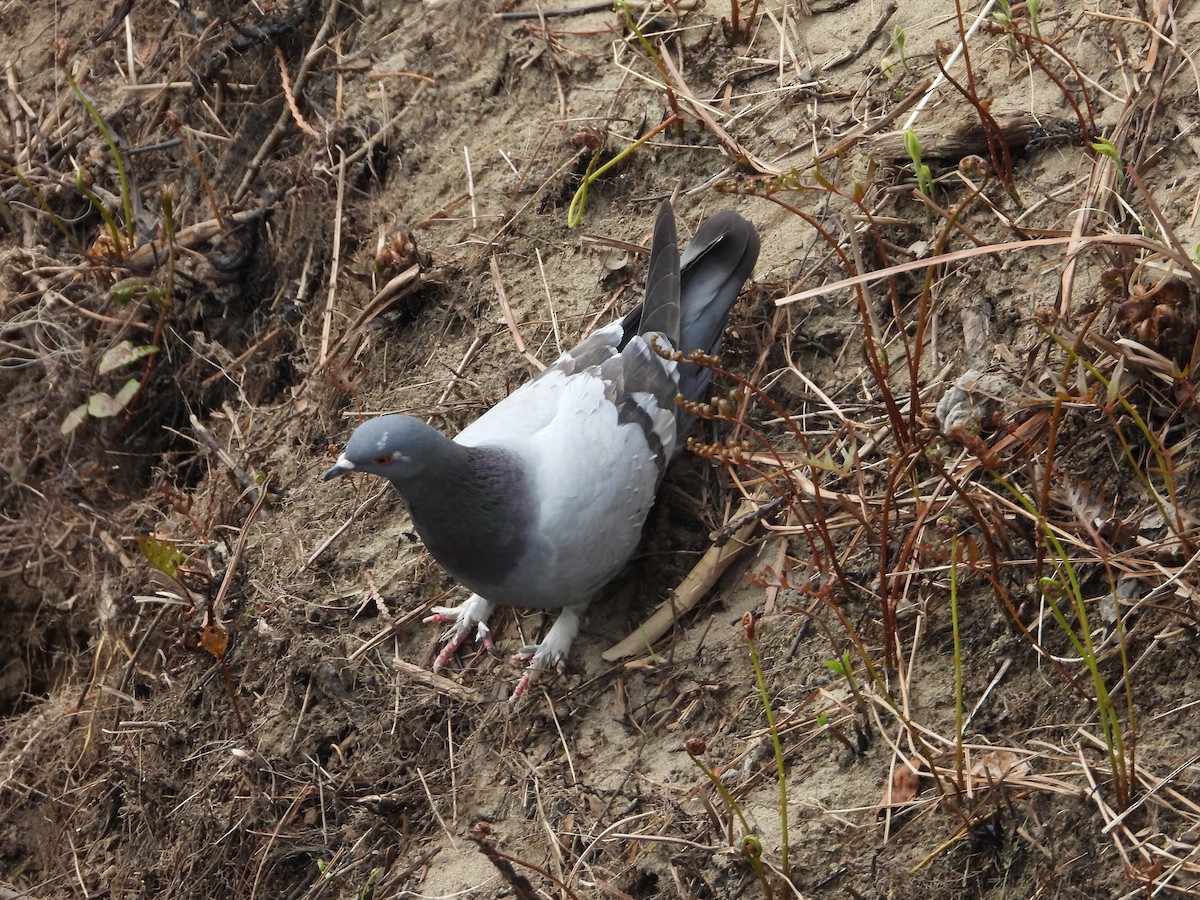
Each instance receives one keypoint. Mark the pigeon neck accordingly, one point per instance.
(471, 512)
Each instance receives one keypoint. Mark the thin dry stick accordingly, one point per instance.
(244, 355)
(1078, 246)
(508, 316)
(535, 195)
(243, 478)
(1107, 813)
(872, 36)
(471, 187)
(457, 373)
(433, 807)
(784, 52)
(452, 765)
(268, 146)
(608, 832)
(983, 16)
(735, 150)
(369, 145)
(362, 508)
(414, 674)
(1150, 791)
(239, 548)
(408, 281)
(987, 691)
(334, 265)
(129, 53)
(842, 145)
(153, 253)
(397, 73)
(276, 834)
(1163, 223)
(387, 632)
(1100, 183)
(339, 91)
(782, 568)
(549, 302)
(443, 214)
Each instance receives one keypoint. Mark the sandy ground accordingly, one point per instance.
(314, 212)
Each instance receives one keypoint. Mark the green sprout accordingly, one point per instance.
(594, 170)
(748, 626)
(163, 554)
(61, 59)
(923, 172)
(843, 666)
(898, 40)
(1105, 147)
(103, 405)
(751, 845)
(1032, 6)
(1003, 18)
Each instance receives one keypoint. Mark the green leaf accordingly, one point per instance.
(1032, 7)
(126, 289)
(1105, 147)
(102, 405)
(923, 172)
(835, 665)
(74, 419)
(127, 392)
(164, 555)
(123, 354)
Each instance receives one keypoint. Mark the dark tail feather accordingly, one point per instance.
(714, 267)
(660, 309)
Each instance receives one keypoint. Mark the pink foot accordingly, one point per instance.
(529, 654)
(466, 621)
(552, 652)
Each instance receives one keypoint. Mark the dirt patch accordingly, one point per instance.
(230, 232)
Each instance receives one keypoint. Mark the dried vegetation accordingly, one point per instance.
(955, 431)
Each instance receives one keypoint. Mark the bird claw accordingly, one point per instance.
(553, 650)
(470, 617)
(525, 681)
(529, 654)
(538, 659)
(458, 636)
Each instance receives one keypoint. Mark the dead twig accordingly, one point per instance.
(692, 589)
(509, 319)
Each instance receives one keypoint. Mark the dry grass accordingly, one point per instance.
(962, 423)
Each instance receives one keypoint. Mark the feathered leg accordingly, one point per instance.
(552, 652)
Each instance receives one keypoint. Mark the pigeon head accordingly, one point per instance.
(398, 448)
(471, 505)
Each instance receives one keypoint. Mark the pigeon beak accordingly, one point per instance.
(341, 467)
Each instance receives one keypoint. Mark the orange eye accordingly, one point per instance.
(383, 460)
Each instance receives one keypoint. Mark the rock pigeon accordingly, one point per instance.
(541, 500)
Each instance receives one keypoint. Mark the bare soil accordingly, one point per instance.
(214, 680)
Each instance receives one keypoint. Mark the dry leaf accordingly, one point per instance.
(215, 640)
(905, 786)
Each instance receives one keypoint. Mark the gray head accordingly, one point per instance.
(471, 505)
(398, 448)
